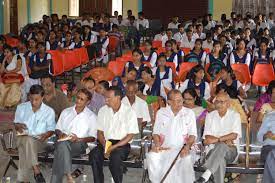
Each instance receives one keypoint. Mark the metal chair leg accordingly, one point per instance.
(11, 163)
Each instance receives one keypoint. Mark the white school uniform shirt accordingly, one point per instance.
(173, 25)
(144, 23)
(185, 43)
(270, 23)
(205, 44)
(82, 125)
(85, 22)
(247, 60)
(207, 60)
(140, 107)
(206, 90)
(162, 38)
(179, 36)
(117, 125)
(153, 60)
(165, 83)
(175, 129)
(219, 126)
(201, 36)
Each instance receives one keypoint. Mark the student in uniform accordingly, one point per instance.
(102, 42)
(67, 43)
(40, 36)
(188, 41)
(174, 23)
(149, 54)
(171, 56)
(77, 42)
(199, 32)
(136, 63)
(263, 55)
(180, 53)
(197, 54)
(161, 37)
(88, 35)
(216, 60)
(179, 36)
(250, 42)
(225, 44)
(240, 55)
(197, 82)
(163, 77)
(149, 80)
(208, 42)
(52, 43)
(142, 21)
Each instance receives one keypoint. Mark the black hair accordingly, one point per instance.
(41, 44)
(86, 92)
(105, 84)
(141, 86)
(162, 55)
(169, 42)
(71, 86)
(194, 94)
(137, 50)
(132, 69)
(89, 79)
(117, 91)
(180, 26)
(230, 71)
(194, 70)
(240, 40)
(114, 26)
(221, 86)
(37, 89)
(131, 82)
(147, 70)
(7, 47)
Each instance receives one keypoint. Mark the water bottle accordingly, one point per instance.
(84, 179)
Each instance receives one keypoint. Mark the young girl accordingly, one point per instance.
(180, 53)
(136, 63)
(117, 81)
(67, 43)
(216, 60)
(171, 56)
(163, 77)
(77, 42)
(149, 54)
(148, 80)
(87, 34)
(196, 81)
(240, 55)
(197, 54)
(263, 55)
(52, 43)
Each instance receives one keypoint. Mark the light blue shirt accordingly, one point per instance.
(41, 121)
(267, 125)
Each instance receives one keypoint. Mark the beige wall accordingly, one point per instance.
(22, 13)
(61, 7)
(6, 16)
(220, 7)
(130, 5)
(38, 9)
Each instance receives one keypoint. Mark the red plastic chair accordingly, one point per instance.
(242, 73)
(147, 64)
(82, 54)
(57, 62)
(186, 50)
(185, 68)
(207, 50)
(263, 74)
(70, 60)
(13, 42)
(156, 44)
(100, 73)
(113, 44)
(160, 50)
(121, 59)
(116, 67)
(87, 43)
(172, 65)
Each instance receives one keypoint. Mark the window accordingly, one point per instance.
(74, 8)
(117, 6)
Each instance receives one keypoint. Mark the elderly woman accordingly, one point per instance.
(12, 73)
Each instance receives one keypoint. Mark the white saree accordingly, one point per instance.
(173, 131)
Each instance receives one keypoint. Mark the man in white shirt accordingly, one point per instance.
(75, 128)
(199, 32)
(222, 133)
(188, 41)
(270, 20)
(179, 36)
(137, 104)
(141, 21)
(174, 132)
(116, 123)
(161, 37)
(174, 24)
(208, 42)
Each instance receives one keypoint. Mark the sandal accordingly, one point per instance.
(76, 173)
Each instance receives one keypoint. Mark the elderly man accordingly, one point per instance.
(97, 100)
(222, 133)
(75, 127)
(137, 104)
(175, 127)
(266, 136)
(54, 98)
(116, 123)
(34, 123)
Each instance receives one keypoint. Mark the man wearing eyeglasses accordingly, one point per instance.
(175, 127)
(222, 133)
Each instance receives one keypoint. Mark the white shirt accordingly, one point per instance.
(82, 124)
(247, 60)
(173, 25)
(179, 36)
(153, 59)
(206, 90)
(185, 43)
(206, 44)
(140, 107)
(117, 125)
(160, 37)
(144, 23)
(270, 23)
(201, 36)
(174, 130)
(219, 126)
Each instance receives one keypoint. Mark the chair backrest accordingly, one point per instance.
(185, 67)
(87, 43)
(122, 59)
(70, 60)
(100, 73)
(172, 65)
(56, 66)
(263, 74)
(147, 64)
(82, 54)
(116, 67)
(160, 50)
(157, 44)
(242, 73)
(113, 43)
(13, 42)
(186, 50)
